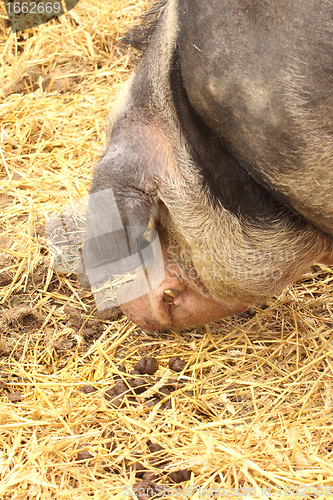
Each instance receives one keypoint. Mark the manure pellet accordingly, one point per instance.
(139, 385)
(152, 402)
(149, 476)
(176, 364)
(120, 387)
(164, 391)
(145, 489)
(15, 397)
(87, 389)
(84, 455)
(135, 465)
(146, 365)
(180, 476)
(114, 398)
(154, 447)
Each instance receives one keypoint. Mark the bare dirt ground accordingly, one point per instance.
(249, 411)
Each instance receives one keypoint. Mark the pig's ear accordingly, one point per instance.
(123, 176)
(131, 167)
(118, 250)
(117, 217)
(114, 235)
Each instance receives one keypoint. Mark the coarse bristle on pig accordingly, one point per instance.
(245, 405)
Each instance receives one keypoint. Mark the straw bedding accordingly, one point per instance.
(251, 407)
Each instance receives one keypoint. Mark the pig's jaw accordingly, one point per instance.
(188, 307)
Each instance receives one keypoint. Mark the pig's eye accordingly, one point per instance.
(149, 234)
(169, 295)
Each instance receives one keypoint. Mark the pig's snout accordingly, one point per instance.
(175, 304)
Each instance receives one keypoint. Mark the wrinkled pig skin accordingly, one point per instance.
(222, 140)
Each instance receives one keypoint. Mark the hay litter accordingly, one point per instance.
(250, 414)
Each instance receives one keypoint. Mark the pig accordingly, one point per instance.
(222, 141)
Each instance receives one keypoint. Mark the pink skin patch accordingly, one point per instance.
(188, 309)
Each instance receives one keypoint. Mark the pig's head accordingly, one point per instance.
(227, 242)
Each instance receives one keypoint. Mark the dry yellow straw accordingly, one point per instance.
(252, 410)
